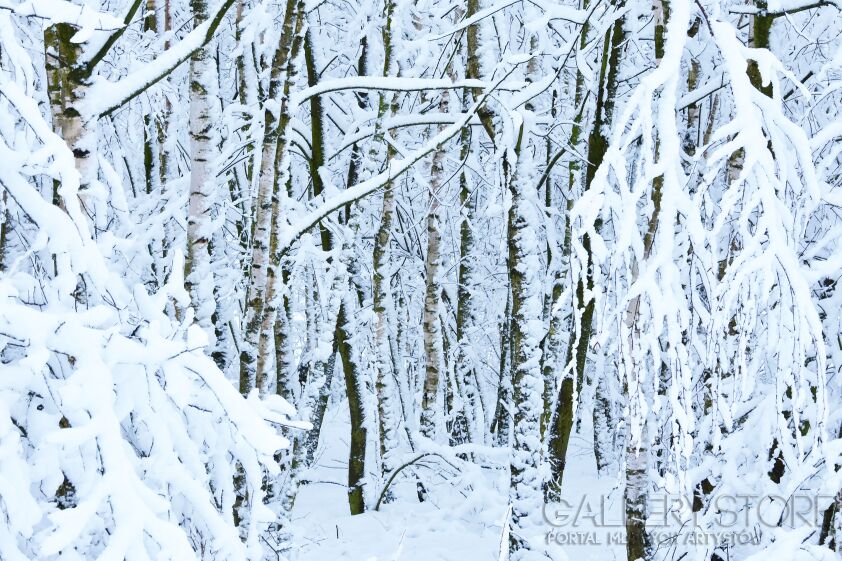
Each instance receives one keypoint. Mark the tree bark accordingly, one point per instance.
(502, 423)
(431, 417)
(388, 410)
(198, 272)
(68, 80)
(562, 424)
(262, 287)
(357, 391)
(527, 383)
(466, 313)
(357, 395)
(637, 450)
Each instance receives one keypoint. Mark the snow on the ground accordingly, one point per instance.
(460, 521)
(586, 524)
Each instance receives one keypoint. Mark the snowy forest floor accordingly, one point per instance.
(461, 520)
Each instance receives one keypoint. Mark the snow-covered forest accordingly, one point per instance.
(403, 280)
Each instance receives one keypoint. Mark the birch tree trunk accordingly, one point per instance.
(386, 386)
(275, 326)
(431, 409)
(68, 79)
(358, 393)
(560, 422)
(597, 147)
(166, 148)
(153, 163)
(388, 409)
(502, 422)
(433, 346)
(260, 305)
(524, 269)
(638, 542)
(551, 345)
(198, 273)
(6, 229)
(525, 272)
(466, 312)
(637, 450)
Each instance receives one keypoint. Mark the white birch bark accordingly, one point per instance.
(431, 408)
(198, 273)
(258, 336)
(388, 408)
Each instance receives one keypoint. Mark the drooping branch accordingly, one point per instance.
(551, 12)
(399, 469)
(795, 8)
(395, 84)
(394, 170)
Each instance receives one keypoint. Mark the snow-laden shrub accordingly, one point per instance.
(119, 437)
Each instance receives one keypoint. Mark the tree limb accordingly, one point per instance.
(105, 97)
(100, 54)
(394, 170)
